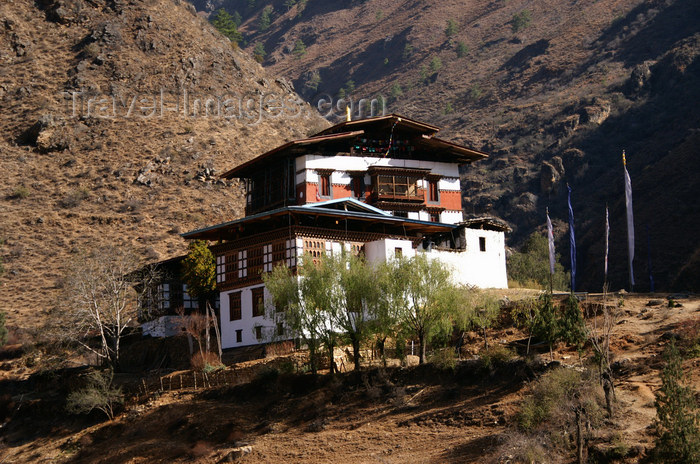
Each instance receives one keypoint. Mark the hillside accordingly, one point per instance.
(425, 414)
(89, 157)
(553, 90)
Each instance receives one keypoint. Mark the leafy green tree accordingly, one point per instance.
(289, 4)
(199, 274)
(430, 298)
(259, 52)
(452, 28)
(521, 21)
(546, 325)
(99, 394)
(678, 414)
(265, 18)
(530, 266)
(299, 48)
(301, 302)
(360, 299)
(462, 49)
(224, 23)
(390, 306)
(341, 93)
(572, 327)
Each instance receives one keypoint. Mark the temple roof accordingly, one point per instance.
(341, 138)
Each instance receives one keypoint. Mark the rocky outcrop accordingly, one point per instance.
(48, 134)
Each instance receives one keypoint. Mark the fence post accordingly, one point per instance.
(194, 375)
(161, 384)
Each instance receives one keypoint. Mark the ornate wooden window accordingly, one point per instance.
(258, 301)
(234, 306)
(358, 186)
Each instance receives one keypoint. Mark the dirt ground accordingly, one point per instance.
(417, 414)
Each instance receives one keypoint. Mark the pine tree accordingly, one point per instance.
(678, 415)
(572, 328)
(259, 52)
(224, 23)
(265, 18)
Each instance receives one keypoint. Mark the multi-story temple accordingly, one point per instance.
(384, 186)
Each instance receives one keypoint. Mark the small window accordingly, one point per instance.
(325, 185)
(239, 335)
(482, 243)
(258, 301)
(401, 214)
(187, 301)
(398, 252)
(434, 217)
(164, 296)
(234, 306)
(280, 329)
(358, 187)
(258, 332)
(433, 191)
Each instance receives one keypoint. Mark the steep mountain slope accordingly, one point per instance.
(89, 157)
(553, 90)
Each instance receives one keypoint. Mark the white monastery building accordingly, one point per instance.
(383, 187)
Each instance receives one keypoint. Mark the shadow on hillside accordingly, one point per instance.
(646, 32)
(472, 450)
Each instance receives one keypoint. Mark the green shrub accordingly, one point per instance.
(452, 28)
(20, 192)
(549, 392)
(265, 18)
(444, 359)
(462, 49)
(75, 198)
(521, 20)
(495, 356)
(299, 48)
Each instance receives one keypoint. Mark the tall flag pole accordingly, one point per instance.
(607, 241)
(630, 220)
(550, 240)
(572, 242)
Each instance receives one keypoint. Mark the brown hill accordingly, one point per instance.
(553, 90)
(87, 160)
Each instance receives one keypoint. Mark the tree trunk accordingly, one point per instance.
(356, 351)
(421, 340)
(333, 368)
(486, 342)
(529, 338)
(381, 345)
(216, 331)
(207, 330)
(609, 390)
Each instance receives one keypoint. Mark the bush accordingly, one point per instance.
(548, 393)
(75, 197)
(452, 28)
(3, 329)
(521, 21)
(462, 49)
(98, 394)
(495, 356)
(20, 192)
(206, 362)
(444, 359)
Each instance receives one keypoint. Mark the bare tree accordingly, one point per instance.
(100, 301)
(600, 333)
